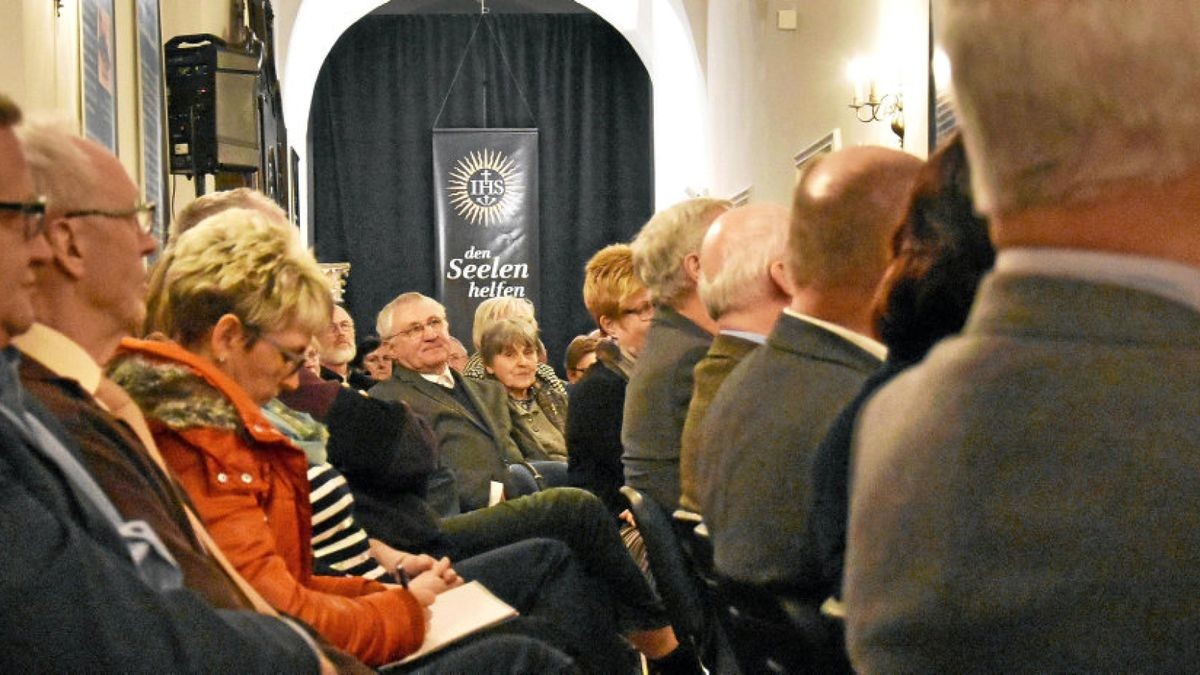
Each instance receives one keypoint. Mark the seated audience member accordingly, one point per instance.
(237, 340)
(372, 360)
(77, 597)
(581, 354)
(666, 258)
(510, 355)
(312, 357)
(743, 285)
(200, 208)
(770, 414)
(940, 251)
(470, 417)
(340, 546)
(554, 392)
(338, 350)
(1024, 498)
(458, 354)
(620, 304)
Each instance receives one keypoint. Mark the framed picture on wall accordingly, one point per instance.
(942, 119)
(150, 111)
(830, 142)
(98, 67)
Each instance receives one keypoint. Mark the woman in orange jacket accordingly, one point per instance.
(241, 301)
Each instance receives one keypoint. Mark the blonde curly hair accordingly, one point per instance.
(242, 262)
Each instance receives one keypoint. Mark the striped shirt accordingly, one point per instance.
(339, 544)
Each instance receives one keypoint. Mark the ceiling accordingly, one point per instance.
(472, 7)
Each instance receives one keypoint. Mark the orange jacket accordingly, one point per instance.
(250, 486)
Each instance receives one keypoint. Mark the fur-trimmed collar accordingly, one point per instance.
(173, 393)
(183, 390)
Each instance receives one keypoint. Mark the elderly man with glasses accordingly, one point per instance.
(470, 417)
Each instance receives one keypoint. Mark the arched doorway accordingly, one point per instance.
(658, 31)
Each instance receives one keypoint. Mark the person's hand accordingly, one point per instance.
(447, 574)
(627, 516)
(425, 598)
(428, 581)
(421, 564)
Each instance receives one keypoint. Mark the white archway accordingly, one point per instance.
(658, 31)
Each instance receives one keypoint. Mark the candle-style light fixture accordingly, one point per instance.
(869, 104)
(337, 274)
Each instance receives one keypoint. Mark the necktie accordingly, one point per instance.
(113, 397)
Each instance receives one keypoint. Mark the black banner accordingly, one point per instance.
(486, 207)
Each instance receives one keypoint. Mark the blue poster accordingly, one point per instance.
(150, 95)
(97, 41)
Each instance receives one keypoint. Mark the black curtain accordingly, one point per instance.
(373, 109)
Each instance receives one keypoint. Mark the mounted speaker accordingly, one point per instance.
(212, 110)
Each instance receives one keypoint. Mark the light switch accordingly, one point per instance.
(787, 19)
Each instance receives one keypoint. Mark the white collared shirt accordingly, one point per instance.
(756, 338)
(62, 355)
(872, 347)
(1164, 278)
(443, 378)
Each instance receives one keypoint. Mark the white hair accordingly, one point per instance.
(62, 170)
(758, 238)
(1060, 99)
(383, 320)
(494, 309)
(665, 240)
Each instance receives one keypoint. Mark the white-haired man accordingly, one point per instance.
(666, 257)
(744, 287)
(1025, 499)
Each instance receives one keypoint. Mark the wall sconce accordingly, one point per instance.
(875, 107)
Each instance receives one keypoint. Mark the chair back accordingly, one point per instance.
(554, 473)
(523, 480)
(676, 582)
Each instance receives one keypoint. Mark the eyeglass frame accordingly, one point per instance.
(417, 330)
(340, 327)
(644, 312)
(142, 213)
(33, 212)
(293, 360)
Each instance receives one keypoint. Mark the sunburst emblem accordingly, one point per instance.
(485, 187)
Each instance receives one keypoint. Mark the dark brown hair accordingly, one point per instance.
(941, 250)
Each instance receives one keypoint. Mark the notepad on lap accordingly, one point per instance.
(460, 612)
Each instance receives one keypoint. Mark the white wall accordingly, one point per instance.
(772, 92)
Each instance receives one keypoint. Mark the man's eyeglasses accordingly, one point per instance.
(33, 213)
(340, 327)
(418, 329)
(143, 213)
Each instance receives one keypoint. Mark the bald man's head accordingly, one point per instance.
(844, 210)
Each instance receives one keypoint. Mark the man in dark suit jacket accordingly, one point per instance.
(470, 418)
(1025, 499)
(743, 287)
(774, 408)
(76, 599)
(666, 258)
